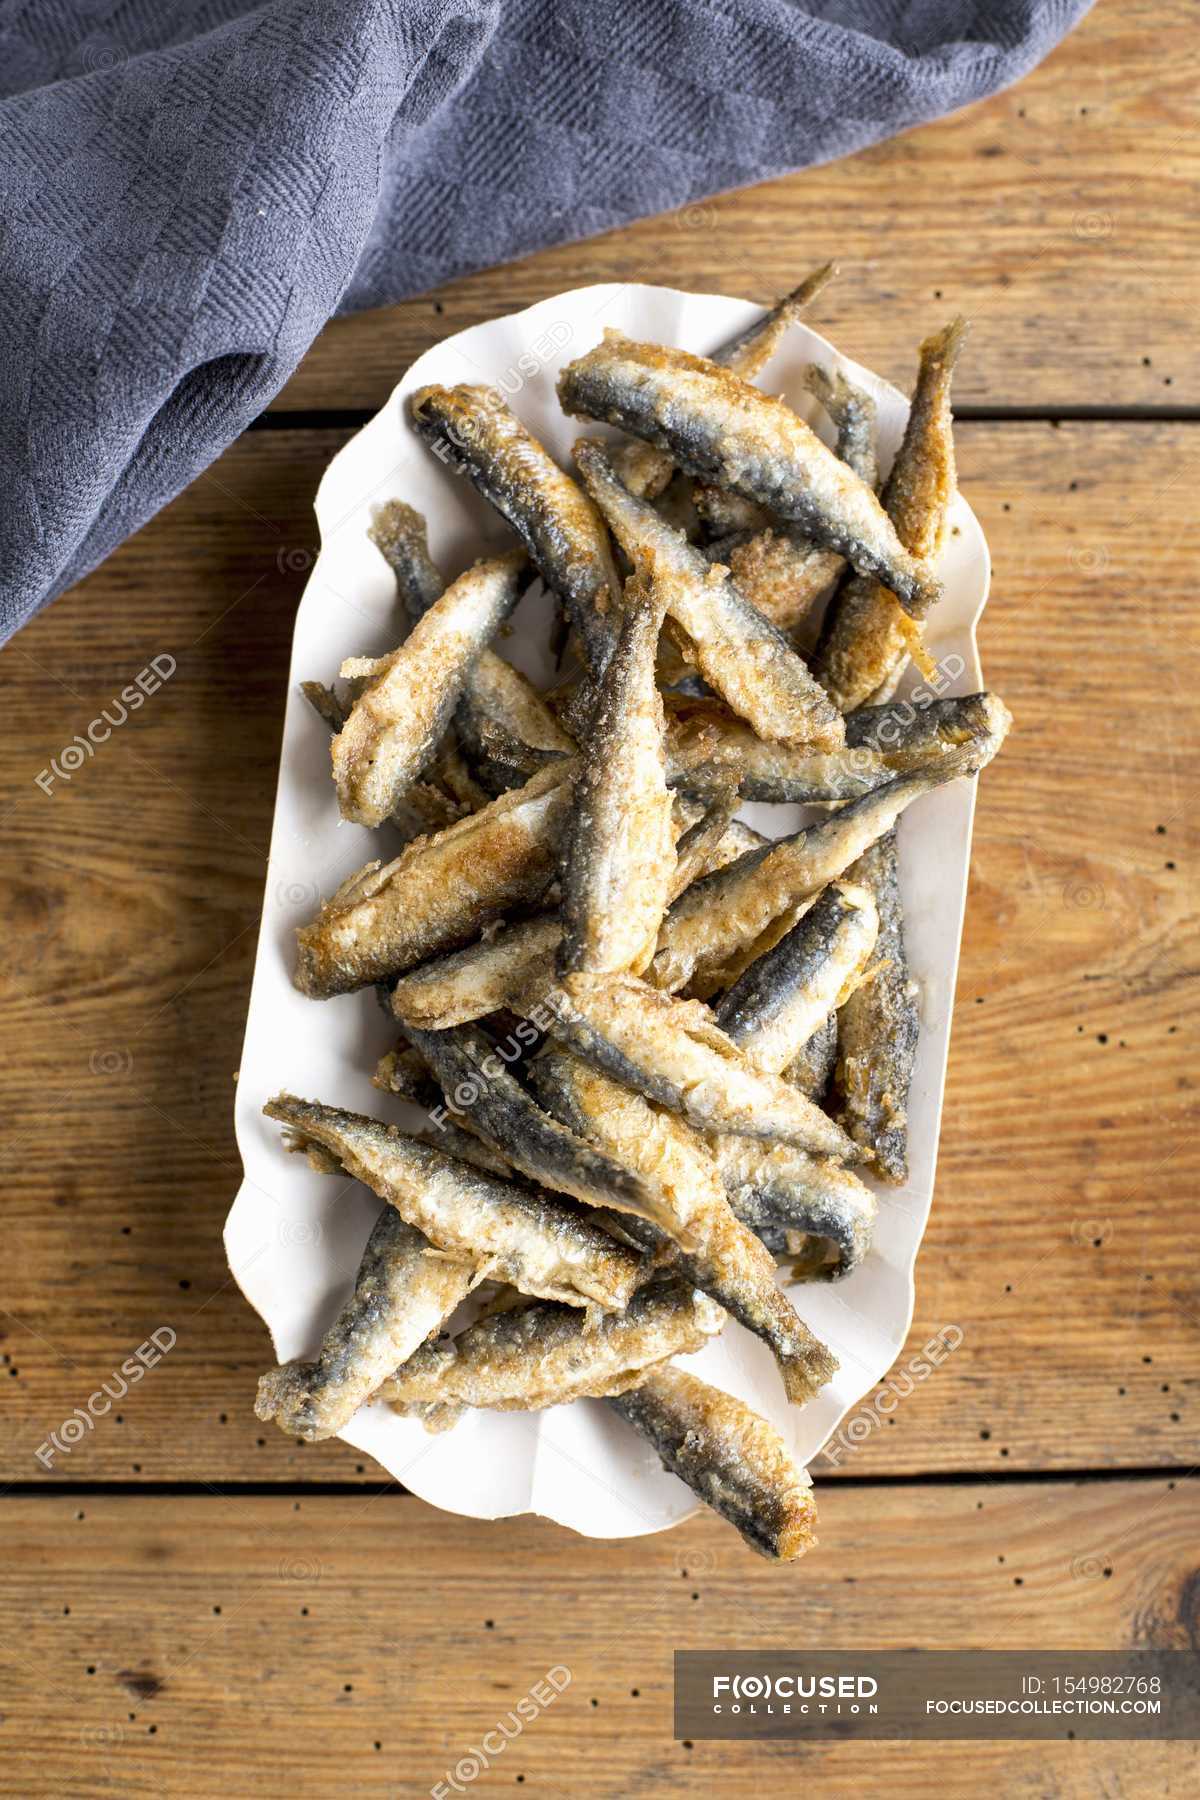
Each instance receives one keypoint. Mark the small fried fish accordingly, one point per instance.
(491, 1101)
(427, 805)
(723, 922)
(399, 533)
(717, 1253)
(439, 892)
(545, 1355)
(775, 1189)
(781, 570)
(672, 1051)
(710, 843)
(647, 471)
(878, 1029)
(723, 430)
(912, 735)
(707, 744)
(511, 1233)
(619, 858)
(782, 998)
(505, 727)
(741, 654)
(655, 1143)
(498, 704)
(734, 1460)
(865, 640)
(748, 354)
(812, 1065)
(854, 417)
(401, 1071)
(402, 1295)
(483, 978)
(473, 430)
(395, 726)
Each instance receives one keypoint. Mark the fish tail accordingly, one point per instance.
(809, 288)
(805, 1371)
(828, 389)
(945, 346)
(288, 1109)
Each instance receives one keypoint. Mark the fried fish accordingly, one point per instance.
(776, 1190)
(737, 650)
(724, 921)
(779, 568)
(428, 805)
(544, 1354)
(619, 857)
(399, 533)
(647, 471)
(483, 978)
(865, 640)
(721, 429)
(707, 744)
(734, 1460)
(395, 726)
(402, 1295)
(473, 430)
(542, 1246)
(499, 707)
(783, 997)
(716, 1251)
(672, 1051)
(491, 1101)
(439, 892)
(878, 1028)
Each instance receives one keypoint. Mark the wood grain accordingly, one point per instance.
(363, 1645)
(1054, 215)
(204, 1643)
(1061, 1241)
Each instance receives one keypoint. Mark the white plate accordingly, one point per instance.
(294, 1237)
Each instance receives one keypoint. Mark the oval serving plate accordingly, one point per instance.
(294, 1237)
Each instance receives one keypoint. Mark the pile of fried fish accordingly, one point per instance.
(657, 1051)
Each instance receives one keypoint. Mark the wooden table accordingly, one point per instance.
(198, 1605)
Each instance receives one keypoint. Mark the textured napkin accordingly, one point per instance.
(192, 187)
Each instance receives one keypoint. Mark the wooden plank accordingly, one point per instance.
(1050, 214)
(131, 897)
(364, 1644)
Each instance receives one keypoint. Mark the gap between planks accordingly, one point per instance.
(292, 1490)
(353, 417)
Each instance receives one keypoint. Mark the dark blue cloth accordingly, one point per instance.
(192, 187)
